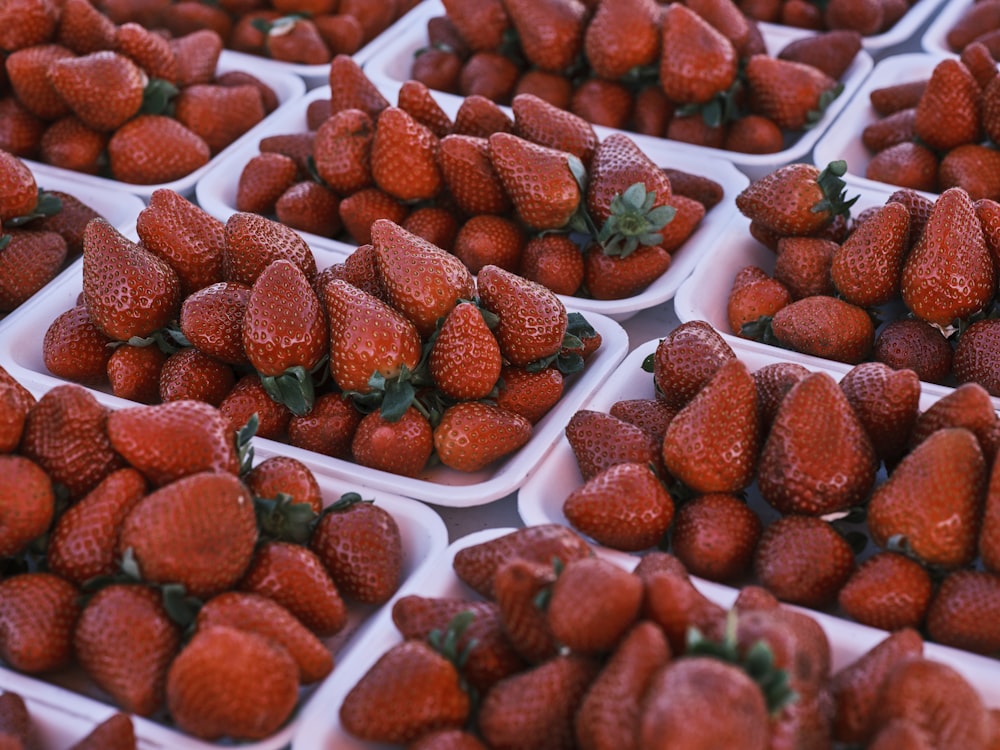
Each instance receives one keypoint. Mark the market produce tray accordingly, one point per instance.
(843, 139)
(21, 354)
(390, 68)
(66, 706)
(320, 728)
(286, 86)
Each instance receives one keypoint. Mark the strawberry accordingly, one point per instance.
(910, 343)
(211, 319)
(803, 265)
(310, 207)
(15, 721)
(889, 131)
(479, 23)
(540, 122)
(464, 338)
(421, 281)
(147, 49)
(697, 61)
(258, 614)
(27, 71)
(952, 231)
(831, 51)
(298, 146)
(490, 75)
(542, 182)
(16, 406)
(624, 507)
(263, 179)
(20, 194)
(532, 320)
(104, 89)
(191, 240)
(416, 99)
(964, 604)
(293, 39)
(970, 166)
(351, 88)
(197, 52)
(29, 260)
(989, 534)
(39, 612)
(468, 174)
(686, 359)
(649, 414)
(713, 442)
(200, 685)
(817, 457)
(888, 591)
(248, 398)
(825, 326)
(715, 535)
(73, 348)
(481, 117)
(27, 23)
(361, 546)
(887, 402)
(342, 151)
(472, 435)
(792, 94)
(490, 240)
(896, 96)
(70, 144)
(65, 433)
(28, 503)
(803, 560)
(402, 445)
(404, 156)
(592, 605)
(949, 463)
(153, 149)
(607, 29)
(341, 32)
(328, 428)
(21, 132)
(412, 689)
(550, 33)
(773, 382)
(554, 88)
(796, 199)
(909, 164)
(867, 267)
(554, 261)
(360, 210)
(754, 295)
(134, 372)
(439, 67)
(252, 242)
(967, 406)
(190, 374)
(125, 641)
(84, 540)
(199, 108)
(948, 112)
(288, 476)
(117, 732)
(436, 224)
(599, 440)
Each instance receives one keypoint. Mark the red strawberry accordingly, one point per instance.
(540, 122)
(294, 39)
(28, 503)
(607, 29)
(490, 240)
(416, 100)
(554, 261)
(489, 75)
(522, 587)
(263, 180)
(909, 165)
(967, 406)
(200, 107)
(469, 176)
(350, 88)
(831, 51)
(825, 326)
(792, 94)
(360, 210)
(117, 732)
(773, 382)
(962, 609)
(38, 611)
(480, 117)
(910, 343)
(27, 72)
(989, 533)
(197, 52)
(342, 150)
(104, 89)
(402, 445)
(948, 112)
(754, 295)
(154, 149)
(599, 440)
(697, 61)
(686, 359)
(28, 22)
(888, 591)
(29, 260)
(74, 349)
(147, 49)
(480, 23)
(715, 535)
(190, 374)
(310, 207)
(472, 435)
(134, 372)
(866, 269)
(796, 199)
(248, 398)
(551, 32)
(465, 338)
(328, 428)
(211, 319)
(341, 32)
(803, 265)
(252, 242)
(21, 193)
(404, 156)
(887, 403)
(125, 641)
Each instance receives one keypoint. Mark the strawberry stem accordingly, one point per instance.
(635, 220)
(282, 519)
(834, 190)
(293, 388)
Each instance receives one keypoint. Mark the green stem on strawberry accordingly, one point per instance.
(244, 445)
(281, 519)
(834, 190)
(4, 240)
(634, 221)
(48, 204)
(825, 100)
(294, 388)
(157, 97)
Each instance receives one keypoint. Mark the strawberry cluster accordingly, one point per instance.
(939, 131)
(682, 458)
(536, 194)
(545, 644)
(698, 72)
(84, 93)
(144, 547)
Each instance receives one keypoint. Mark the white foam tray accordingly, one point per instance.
(21, 354)
(320, 727)
(390, 68)
(843, 139)
(216, 193)
(286, 86)
(934, 37)
(69, 705)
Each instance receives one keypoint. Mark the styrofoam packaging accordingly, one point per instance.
(216, 193)
(21, 354)
(389, 68)
(69, 703)
(934, 39)
(843, 139)
(320, 727)
(286, 86)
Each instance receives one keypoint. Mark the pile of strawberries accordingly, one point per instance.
(535, 193)
(939, 131)
(84, 93)
(911, 283)
(682, 457)
(547, 645)
(697, 71)
(40, 232)
(390, 358)
(144, 547)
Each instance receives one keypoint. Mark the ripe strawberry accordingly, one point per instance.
(310, 207)
(989, 534)
(889, 131)
(117, 732)
(697, 61)
(153, 149)
(30, 259)
(201, 685)
(360, 210)
(125, 640)
(172, 440)
(551, 33)
(39, 611)
(554, 88)
(70, 144)
(948, 112)
(284, 475)
(73, 348)
(803, 265)
(17, 401)
(299, 146)
(754, 295)
(294, 39)
(540, 122)
(190, 374)
(490, 75)
(469, 176)
(831, 51)
(439, 67)
(402, 445)
(404, 156)
(199, 107)
(65, 433)
(715, 535)
(104, 89)
(197, 52)
(542, 182)
(134, 372)
(599, 440)
(20, 195)
(27, 72)
(253, 242)
(342, 151)
(773, 382)
(350, 88)
(817, 457)
(328, 428)
(28, 503)
(465, 338)
(888, 591)
(211, 319)
(825, 326)
(713, 442)
(473, 434)
(416, 100)
(259, 614)
(609, 26)
(248, 398)
(909, 164)
(866, 269)
(624, 507)
(650, 414)
(910, 343)
(685, 359)
(490, 240)
(532, 321)
(967, 406)
(480, 117)
(530, 393)
(479, 23)
(436, 224)
(970, 166)
(147, 49)
(412, 689)
(15, 721)
(341, 32)
(962, 608)
(792, 94)
(27, 23)
(520, 585)
(554, 261)
(84, 540)
(887, 403)
(796, 199)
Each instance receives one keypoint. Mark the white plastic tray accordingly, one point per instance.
(390, 68)
(320, 727)
(216, 193)
(843, 139)
(70, 705)
(286, 86)
(934, 37)
(21, 354)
